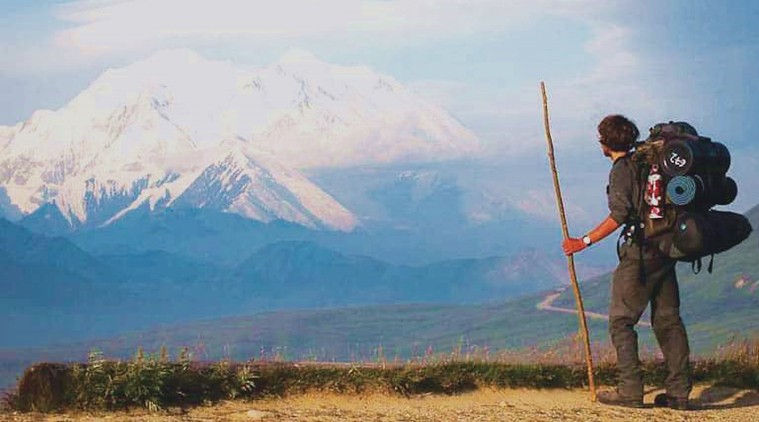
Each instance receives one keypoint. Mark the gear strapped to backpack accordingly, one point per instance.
(682, 176)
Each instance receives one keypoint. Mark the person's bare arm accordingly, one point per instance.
(573, 245)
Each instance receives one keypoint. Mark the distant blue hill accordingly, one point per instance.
(30, 248)
(55, 291)
(207, 236)
(48, 285)
(47, 219)
(228, 239)
(304, 275)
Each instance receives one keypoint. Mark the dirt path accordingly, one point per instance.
(547, 305)
(485, 405)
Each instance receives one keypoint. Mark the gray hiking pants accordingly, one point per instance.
(631, 291)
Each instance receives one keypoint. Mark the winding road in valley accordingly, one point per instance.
(547, 305)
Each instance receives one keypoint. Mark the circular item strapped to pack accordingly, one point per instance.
(682, 190)
(689, 156)
(703, 191)
(728, 191)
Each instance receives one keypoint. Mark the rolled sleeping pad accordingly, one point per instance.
(687, 156)
(682, 190)
(704, 191)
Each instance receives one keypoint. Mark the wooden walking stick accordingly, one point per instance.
(570, 258)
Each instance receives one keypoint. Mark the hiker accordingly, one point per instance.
(644, 275)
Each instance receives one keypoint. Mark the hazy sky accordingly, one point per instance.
(481, 59)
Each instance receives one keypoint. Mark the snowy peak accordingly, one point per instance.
(174, 58)
(157, 132)
(225, 180)
(266, 191)
(166, 67)
(297, 56)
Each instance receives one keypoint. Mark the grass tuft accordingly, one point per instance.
(155, 382)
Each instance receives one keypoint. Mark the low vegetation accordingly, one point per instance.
(157, 381)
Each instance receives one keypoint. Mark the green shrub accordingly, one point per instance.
(155, 382)
(146, 381)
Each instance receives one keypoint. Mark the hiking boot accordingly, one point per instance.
(665, 400)
(613, 398)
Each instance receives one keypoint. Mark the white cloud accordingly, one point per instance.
(103, 32)
(111, 26)
(108, 27)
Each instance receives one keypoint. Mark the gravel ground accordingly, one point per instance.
(712, 404)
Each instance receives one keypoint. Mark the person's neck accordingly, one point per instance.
(616, 155)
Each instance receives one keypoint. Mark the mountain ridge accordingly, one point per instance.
(155, 286)
(146, 132)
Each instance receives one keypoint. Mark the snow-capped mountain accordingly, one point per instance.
(177, 129)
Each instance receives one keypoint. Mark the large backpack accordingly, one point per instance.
(691, 174)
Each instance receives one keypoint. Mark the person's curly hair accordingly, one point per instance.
(617, 132)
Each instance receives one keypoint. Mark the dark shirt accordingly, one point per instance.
(624, 198)
(623, 190)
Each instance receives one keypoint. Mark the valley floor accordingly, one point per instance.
(712, 404)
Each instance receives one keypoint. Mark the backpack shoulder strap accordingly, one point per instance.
(695, 266)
